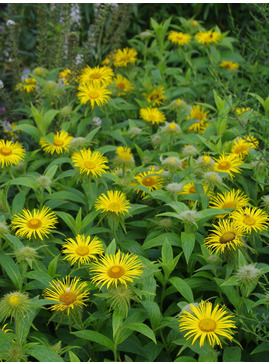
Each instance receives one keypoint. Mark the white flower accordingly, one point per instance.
(189, 151)
(97, 121)
(188, 216)
(248, 273)
(1, 84)
(156, 139)
(134, 131)
(75, 14)
(172, 162)
(174, 187)
(10, 23)
(79, 59)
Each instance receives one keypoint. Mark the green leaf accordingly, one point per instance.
(18, 203)
(185, 359)
(29, 129)
(73, 358)
(52, 267)
(68, 219)
(260, 348)
(154, 313)
(183, 288)
(188, 242)
(50, 172)
(232, 353)
(24, 181)
(11, 269)
(17, 244)
(111, 249)
(95, 337)
(44, 354)
(143, 329)
(167, 252)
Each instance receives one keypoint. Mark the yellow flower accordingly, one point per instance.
(229, 200)
(82, 250)
(241, 110)
(189, 188)
(179, 38)
(201, 115)
(228, 163)
(114, 269)
(226, 236)
(10, 153)
(150, 179)
(252, 142)
(251, 219)
(156, 96)
(124, 158)
(101, 76)
(152, 115)
(114, 202)
(61, 142)
(122, 84)
(240, 147)
(91, 163)
(71, 294)
(64, 76)
(123, 57)
(93, 93)
(29, 85)
(229, 65)
(207, 324)
(36, 223)
(207, 37)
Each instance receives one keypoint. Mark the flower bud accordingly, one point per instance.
(43, 181)
(248, 274)
(188, 216)
(174, 187)
(189, 151)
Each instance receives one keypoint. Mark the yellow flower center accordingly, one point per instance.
(58, 142)
(34, 224)
(68, 298)
(172, 126)
(206, 159)
(14, 300)
(249, 220)
(96, 75)
(179, 101)
(207, 325)
(89, 165)
(114, 206)
(229, 205)
(241, 149)
(5, 151)
(93, 94)
(227, 237)
(148, 181)
(198, 116)
(192, 189)
(121, 86)
(223, 166)
(116, 271)
(82, 250)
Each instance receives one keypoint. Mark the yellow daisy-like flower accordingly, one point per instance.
(93, 93)
(229, 65)
(61, 142)
(123, 57)
(114, 202)
(156, 96)
(226, 236)
(189, 188)
(38, 223)
(70, 293)
(152, 115)
(179, 38)
(252, 142)
(229, 200)
(150, 179)
(10, 153)
(30, 85)
(251, 219)
(82, 249)
(228, 163)
(201, 115)
(207, 37)
(64, 76)
(240, 147)
(114, 269)
(241, 110)
(207, 324)
(99, 75)
(122, 84)
(91, 163)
